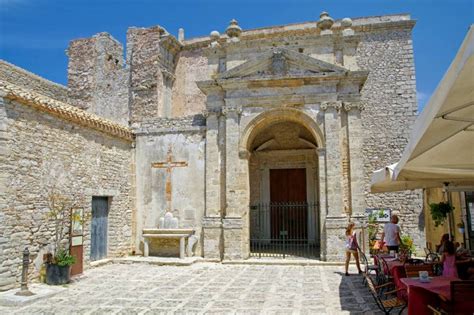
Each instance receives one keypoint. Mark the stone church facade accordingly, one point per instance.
(295, 114)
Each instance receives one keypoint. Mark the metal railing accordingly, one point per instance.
(283, 229)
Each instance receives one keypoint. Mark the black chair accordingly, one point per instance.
(385, 303)
(414, 261)
(381, 276)
(432, 258)
(367, 268)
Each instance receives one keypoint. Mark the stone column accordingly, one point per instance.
(336, 220)
(357, 184)
(212, 221)
(236, 187)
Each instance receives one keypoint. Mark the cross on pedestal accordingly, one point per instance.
(168, 165)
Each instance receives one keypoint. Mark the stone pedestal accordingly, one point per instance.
(212, 237)
(232, 230)
(336, 238)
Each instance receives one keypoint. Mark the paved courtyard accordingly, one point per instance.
(207, 288)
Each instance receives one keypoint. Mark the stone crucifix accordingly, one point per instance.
(169, 165)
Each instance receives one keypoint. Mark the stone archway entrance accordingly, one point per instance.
(283, 173)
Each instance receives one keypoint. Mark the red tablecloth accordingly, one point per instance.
(392, 263)
(422, 294)
(398, 273)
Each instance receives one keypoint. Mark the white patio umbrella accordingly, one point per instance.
(441, 146)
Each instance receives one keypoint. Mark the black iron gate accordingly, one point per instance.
(281, 230)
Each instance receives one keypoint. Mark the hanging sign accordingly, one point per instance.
(380, 214)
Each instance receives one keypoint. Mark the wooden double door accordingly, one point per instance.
(288, 204)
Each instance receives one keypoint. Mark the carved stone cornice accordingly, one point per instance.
(228, 111)
(167, 75)
(348, 106)
(326, 105)
(212, 112)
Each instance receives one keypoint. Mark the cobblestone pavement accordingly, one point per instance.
(207, 288)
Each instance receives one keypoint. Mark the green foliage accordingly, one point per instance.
(407, 243)
(439, 212)
(63, 258)
(372, 226)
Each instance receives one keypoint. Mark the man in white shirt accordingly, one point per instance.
(391, 234)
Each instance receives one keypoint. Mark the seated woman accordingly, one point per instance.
(440, 246)
(449, 260)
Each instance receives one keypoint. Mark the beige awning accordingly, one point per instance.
(441, 145)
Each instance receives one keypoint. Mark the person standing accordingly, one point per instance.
(351, 247)
(391, 234)
(449, 260)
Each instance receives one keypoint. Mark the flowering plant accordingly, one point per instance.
(407, 243)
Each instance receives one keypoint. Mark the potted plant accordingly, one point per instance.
(439, 212)
(58, 263)
(460, 226)
(406, 247)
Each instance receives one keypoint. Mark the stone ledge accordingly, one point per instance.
(151, 260)
(211, 222)
(41, 291)
(232, 223)
(284, 262)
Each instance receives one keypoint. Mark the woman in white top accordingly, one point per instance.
(391, 234)
(351, 247)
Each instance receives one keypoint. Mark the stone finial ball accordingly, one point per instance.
(325, 21)
(346, 22)
(233, 30)
(215, 35)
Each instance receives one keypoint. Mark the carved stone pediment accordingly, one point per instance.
(282, 63)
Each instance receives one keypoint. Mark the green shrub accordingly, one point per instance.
(63, 258)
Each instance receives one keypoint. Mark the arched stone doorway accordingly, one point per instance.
(284, 182)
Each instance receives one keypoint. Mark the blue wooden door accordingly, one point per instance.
(99, 223)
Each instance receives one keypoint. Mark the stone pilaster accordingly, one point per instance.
(336, 220)
(332, 126)
(233, 241)
(322, 199)
(212, 221)
(356, 158)
(234, 182)
(213, 171)
(236, 187)
(212, 237)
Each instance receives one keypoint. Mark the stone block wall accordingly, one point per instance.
(97, 79)
(152, 55)
(391, 109)
(181, 140)
(21, 77)
(39, 150)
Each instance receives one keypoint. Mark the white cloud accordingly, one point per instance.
(422, 98)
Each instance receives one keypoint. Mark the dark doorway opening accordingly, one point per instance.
(280, 228)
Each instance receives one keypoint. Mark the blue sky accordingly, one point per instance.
(34, 34)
